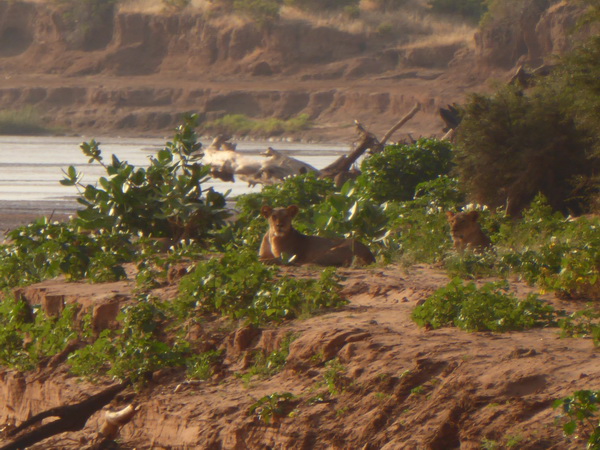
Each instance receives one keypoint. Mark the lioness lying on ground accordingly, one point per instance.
(466, 231)
(283, 239)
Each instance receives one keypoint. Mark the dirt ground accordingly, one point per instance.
(402, 386)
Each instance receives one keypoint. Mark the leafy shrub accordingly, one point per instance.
(165, 199)
(269, 364)
(349, 213)
(418, 229)
(25, 339)
(578, 75)
(581, 409)
(512, 146)
(14, 317)
(45, 249)
(470, 9)
(135, 350)
(584, 323)
(395, 173)
(552, 252)
(481, 309)
(334, 377)
(270, 406)
(239, 286)
(471, 265)
(200, 367)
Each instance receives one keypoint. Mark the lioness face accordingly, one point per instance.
(280, 219)
(462, 223)
(466, 231)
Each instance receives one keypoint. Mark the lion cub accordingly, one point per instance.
(466, 231)
(283, 238)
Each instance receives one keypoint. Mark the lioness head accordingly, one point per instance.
(280, 219)
(466, 231)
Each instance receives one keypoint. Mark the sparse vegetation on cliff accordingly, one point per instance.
(241, 125)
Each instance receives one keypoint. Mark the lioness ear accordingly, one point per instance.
(266, 211)
(292, 210)
(449, 214)
(473, 215)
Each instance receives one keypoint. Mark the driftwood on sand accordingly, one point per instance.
(227, 163)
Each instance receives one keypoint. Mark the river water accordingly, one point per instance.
(31, 167)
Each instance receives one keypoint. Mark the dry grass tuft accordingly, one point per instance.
(158, 6)
(411, 25)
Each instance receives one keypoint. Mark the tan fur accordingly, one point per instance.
(466, 231)
(283, 239)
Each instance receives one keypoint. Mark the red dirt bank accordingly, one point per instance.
(137, 73)
(471, 387)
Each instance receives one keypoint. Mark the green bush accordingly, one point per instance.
(45, 249)
(395, 173)
(489, 308)
(164, 200)
(512, 146)
(238, 286)
(552, 252)
(583, 323)
(127, 206)
(581, 410)
(134, 351)
(271, 406)
(578, 77)
(200, 367)
(418, 230)
(27, 337)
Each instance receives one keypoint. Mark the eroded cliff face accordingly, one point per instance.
(531, 33)
(137, 73)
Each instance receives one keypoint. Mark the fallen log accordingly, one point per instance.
(368, 141)
(71, 418)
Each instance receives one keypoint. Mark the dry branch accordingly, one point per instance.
(401, 123)
(71, 418)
